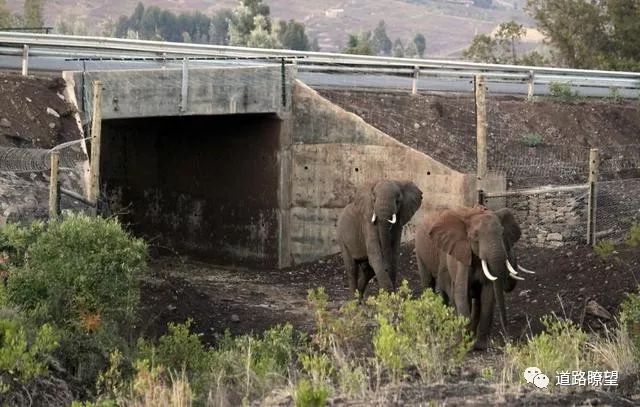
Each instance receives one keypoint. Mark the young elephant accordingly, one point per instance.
(370, 230)
(468, 254)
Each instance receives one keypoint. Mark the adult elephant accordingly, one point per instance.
(370, 230)
(468, 254)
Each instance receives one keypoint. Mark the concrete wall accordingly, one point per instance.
(203, 185)
(210, 91)
(332, 153)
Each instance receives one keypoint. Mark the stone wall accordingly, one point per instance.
(551, 219)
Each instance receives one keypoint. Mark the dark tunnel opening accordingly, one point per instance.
(205, 186)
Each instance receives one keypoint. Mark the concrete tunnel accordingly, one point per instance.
(243, 166)
(202, 185)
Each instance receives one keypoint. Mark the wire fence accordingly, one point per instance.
(618, 209)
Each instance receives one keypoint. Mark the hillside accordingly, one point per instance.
(448, 25)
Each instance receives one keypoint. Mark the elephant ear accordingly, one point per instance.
(512, 230)
(449, 233)
(364, 200)
(411, 201)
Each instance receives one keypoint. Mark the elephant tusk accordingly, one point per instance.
(516, 277)
(487, 274)
(393, 219)
(524, 270)
(373, 218)
(510, 267)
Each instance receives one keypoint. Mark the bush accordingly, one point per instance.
(80, 275)
(562, 91)
(180, 351)
(532, 139)
(614, 95)
(633, 237)
(421, 332)
(310, 394)
(562, 347)
(630, 321)
(24, 352)
(604, 249)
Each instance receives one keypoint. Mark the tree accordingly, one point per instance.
(292, 36)
(507, 37)
(33, 13)
(398, 48)
(359, 44)
(380, 41)
(577, 29)
(315, 46)
(482, 49)
(410, 51)
(260, 37)
(219, 27)
(483, 3)
(243, 21)
(420, 43)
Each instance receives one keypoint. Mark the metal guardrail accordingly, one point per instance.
(28, 44)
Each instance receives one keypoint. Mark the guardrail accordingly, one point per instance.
(26, 44)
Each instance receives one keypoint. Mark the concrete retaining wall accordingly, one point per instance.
(333, 152)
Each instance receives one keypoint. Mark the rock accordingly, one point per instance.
(171, 307)
(598, 310)
(52, 125)
(554, 237)
(53, 112)
(524, 293)
(5, 122)
(61, 96)
(235, 318)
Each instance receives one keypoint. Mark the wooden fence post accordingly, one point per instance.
(414, 82)
(25, 60)
(594, 161)
(531, 90)
(54, 186)
(96, 141)
(481, 130)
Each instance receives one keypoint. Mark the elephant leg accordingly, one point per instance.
(475, 315)
(461, 291)
(426, 278)
(486, 317)
(351, 270)
(365, 274)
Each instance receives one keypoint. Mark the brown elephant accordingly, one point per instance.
(468, 255)
(370, 229)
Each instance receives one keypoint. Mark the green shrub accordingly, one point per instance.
(352, 379)
(630, 320)
(561, 347)
(614, 95)
(562, 91)
(24, 353)
(532, 139)
(80, 275)
(633, 236)
(604, 249)
(421, 332)
(16, 239)
(310, 394)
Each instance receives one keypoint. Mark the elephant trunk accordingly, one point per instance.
(495, 255)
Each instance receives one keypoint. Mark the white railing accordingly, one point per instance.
(27, 44)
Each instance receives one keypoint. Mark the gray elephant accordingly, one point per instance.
(468, 255)
(370, 230)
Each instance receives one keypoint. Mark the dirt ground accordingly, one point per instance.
(443, 126)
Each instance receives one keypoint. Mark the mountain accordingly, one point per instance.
(448, 25)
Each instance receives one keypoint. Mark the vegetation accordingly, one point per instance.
(378, 43)
(31, 16)
(604, 249)
(532, 139)
(562, 91)
(249, 24)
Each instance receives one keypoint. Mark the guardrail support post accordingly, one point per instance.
(54, 186)
(184, 93)
(96, 141)
(594, 161)
(481, 130)
(25, 60)
(414, 82)
(530, 90)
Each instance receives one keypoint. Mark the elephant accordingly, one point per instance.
(468, 255)
(369, 231)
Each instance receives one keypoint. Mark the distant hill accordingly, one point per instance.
(448, 25)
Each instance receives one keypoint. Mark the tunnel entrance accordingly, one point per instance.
(205, 186)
